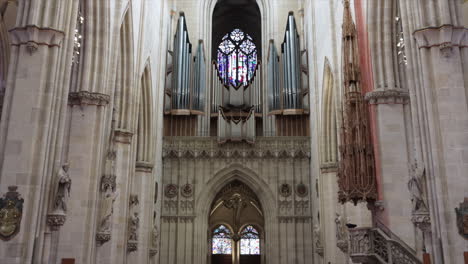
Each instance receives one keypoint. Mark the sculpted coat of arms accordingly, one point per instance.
(11, 212)
(462, 218)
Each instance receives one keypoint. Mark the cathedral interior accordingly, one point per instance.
(233, 131)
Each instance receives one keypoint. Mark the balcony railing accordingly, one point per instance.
(372, 245)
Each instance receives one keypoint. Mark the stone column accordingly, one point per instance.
(442, 54)
(115, 250)
(143, 185)
(391, 111)
(86, 145)
(31, 129)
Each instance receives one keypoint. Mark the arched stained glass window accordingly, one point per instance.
(221, 242)
(250, 241)
(237, 58)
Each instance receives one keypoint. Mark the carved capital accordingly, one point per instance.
(88, 98)
(56, 220)
(33, 36)
(391, 96)
(123, 136)
(445, 37)
(143, 166)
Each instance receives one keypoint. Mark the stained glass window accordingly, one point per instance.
(222, 242)
(250, 241)
(237, 58)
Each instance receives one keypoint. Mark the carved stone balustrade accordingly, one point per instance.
(372, 245)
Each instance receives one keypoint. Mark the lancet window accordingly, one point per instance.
(250, 241)
(237, 59)
(222, 242)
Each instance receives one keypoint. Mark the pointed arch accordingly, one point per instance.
(329, 121)
(125, 101)
(211, 189)
(145, 118)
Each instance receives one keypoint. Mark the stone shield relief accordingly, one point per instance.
(11, 212)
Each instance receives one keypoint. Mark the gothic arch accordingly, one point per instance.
(145, 146)
(329, 121)
(214, 185)
(125, 101)
(207, 7)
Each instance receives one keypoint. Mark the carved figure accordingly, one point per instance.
(155, 235)
(133, 227)
(318, 241)
(340, 228)
(63, 189)
(107, 209)
(462, 218)
(415, 187)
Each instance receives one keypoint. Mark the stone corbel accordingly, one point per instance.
(445, 37)
(88, 98)
(391, 96)
(33, 36)
(56, 220)
(422, 220)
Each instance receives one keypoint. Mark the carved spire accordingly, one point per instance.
(356, 177)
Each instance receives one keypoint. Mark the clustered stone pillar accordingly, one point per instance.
(33, 119)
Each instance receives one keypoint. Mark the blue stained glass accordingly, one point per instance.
(237, 59)
(221, 241)
(250, 241)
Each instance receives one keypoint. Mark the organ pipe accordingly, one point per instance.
(291, 65)
(199, 79)
(181, 68)
(273, 78)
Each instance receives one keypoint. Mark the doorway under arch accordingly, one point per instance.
(236, 223)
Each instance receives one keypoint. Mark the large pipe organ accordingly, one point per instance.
(236, 94)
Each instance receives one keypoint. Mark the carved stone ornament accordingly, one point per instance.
(200, 148)
(170, 191)
(446, 38)
(108, 183)
(134, 200)
(56, 219)
(11, 213)
(422, 220)
(132, 246)
(153, 252)
(462, 218)
(302, 190)
(88, 98)
(187, 190)
(285, 190)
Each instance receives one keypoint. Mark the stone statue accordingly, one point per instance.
(133, 228)
(107, 209)
(318, 243)
(340, 228)
(63, 190)
(415, 186)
